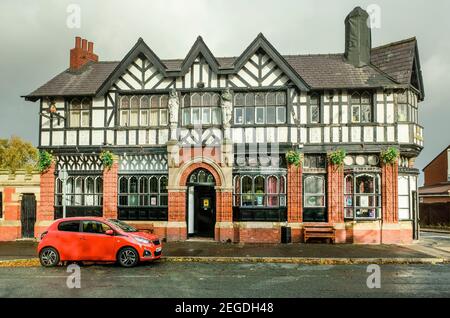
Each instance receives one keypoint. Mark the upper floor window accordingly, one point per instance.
(361, 107)
(201, 109)
(146, 110)
(79, 112)
(260, 108)
(314, 109)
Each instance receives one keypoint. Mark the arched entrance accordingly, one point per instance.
(201, 205)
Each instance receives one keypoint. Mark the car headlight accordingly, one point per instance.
(141, 240)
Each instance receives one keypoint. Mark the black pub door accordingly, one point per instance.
(28, 215)
(204, 211)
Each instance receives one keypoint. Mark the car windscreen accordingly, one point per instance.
(123, 226)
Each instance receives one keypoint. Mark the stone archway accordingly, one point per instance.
(178, 198)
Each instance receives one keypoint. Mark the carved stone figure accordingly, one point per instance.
(227, 107)
(174, 105)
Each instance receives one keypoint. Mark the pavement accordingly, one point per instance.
(432, 248)
(225, 280)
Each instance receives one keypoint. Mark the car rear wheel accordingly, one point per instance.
(49, 257)
(128, 257)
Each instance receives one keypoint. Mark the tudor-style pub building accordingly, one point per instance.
(199, 144)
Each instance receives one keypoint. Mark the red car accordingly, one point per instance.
(96, 239)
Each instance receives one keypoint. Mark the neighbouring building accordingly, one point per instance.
(19, 202)
(434, 195)
(199, 143)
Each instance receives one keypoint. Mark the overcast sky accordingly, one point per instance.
(35, 42)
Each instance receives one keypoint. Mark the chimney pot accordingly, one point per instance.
(91, 47)
(84, 44)
(77, 42)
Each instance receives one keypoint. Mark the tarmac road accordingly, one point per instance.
(227, 280)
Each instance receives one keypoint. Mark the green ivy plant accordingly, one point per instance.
(45, 161)
(107, 159)
(294, 158)
(389, 156)
(337, 157)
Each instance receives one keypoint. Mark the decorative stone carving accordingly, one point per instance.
(174, 105)
(227, 107)
(227, 112)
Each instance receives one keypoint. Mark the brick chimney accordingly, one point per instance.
(82, 53)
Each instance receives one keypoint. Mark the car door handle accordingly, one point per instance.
(82, 238)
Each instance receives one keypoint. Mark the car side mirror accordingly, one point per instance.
(109, 232)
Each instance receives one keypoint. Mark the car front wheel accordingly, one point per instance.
(49, 257)
(128, 257)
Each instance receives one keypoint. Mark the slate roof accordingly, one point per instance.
(396, 59)
(392, 66)
(439, 189)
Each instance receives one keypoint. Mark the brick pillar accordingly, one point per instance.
(110, 191)
(294, 201)
(176, 227)
(224, 230)
(46, 208)
(335, 197)
(389, 193)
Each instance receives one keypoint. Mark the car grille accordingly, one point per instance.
(156, 242)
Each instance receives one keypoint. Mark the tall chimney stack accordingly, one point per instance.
(358, 38)
(82, 53)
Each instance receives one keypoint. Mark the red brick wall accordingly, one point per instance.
(335, 193)
(389, 193)
(212, 153)
(294, 193)
(110, 191)
(46, 207)
(224, 206)
(261, 235)
(177, 206)
(437, 170)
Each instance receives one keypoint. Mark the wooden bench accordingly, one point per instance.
(319, 231)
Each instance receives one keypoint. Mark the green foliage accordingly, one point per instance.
(389, 156)
(45, 161)
(337, 157)
(294, 158)
(16, 154)
(107, 159)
